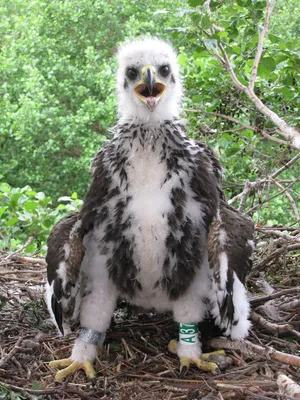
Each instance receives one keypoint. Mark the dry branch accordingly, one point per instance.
(270, 326)
(272, 296)
(273, 255)
(261, 37)
(247, 347)
(9, 355)
(288, 386)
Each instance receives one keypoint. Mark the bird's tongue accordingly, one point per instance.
(151, 102)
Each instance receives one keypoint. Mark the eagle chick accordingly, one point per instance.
(155, 228)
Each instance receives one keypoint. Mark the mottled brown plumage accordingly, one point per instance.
(64, 246)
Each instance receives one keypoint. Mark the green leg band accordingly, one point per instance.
(188, 333)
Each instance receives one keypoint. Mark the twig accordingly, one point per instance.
(290, 305)
(270, 326)
(261, 37)
(290, 133)
(27, 243)
(264, 299)
(292, 201)
(9, 355)
(270, 257)
(273, 196)
(283, 235)
(49, 391)
(246, 192)
(277, 140)
(267, 179)
(24, 259)
(228, 117)
(287, 386)
(249, 348)
(286, 166)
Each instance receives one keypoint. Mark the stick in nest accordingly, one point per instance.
(247, 347)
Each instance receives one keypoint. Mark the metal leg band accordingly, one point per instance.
(91, 336)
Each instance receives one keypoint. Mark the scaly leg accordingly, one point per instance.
(96, 310)
(70, 367)
(202, 361)
(188, 310)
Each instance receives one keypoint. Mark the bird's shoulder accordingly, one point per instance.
(65, 245)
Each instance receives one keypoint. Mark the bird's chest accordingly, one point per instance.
(149, 196)
(154, 220)
(147, 210)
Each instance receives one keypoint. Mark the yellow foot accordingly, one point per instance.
(71, 367)
(204, 362)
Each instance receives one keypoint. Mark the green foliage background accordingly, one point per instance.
(57, 100)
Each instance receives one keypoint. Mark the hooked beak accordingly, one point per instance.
(149, 90)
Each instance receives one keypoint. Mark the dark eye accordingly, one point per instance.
(164, 70)
(131, 73)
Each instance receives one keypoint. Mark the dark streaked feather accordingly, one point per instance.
(64, 233)
(239, 231)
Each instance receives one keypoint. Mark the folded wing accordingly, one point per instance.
(64, 257)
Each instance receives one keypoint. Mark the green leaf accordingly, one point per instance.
(30, 205)
(195, 3)
(268, 64)
(2, 210)
(274, 38)
(24, 216)
(4, 187)
(211, 44)
(232, 150)
(12, 221)
(206, 22)
(182, 58)
(30, 248)
(197, 98)
(40, 196)
(30, 193)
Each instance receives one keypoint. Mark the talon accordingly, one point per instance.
(71, 368)
(207, 366)
(207, 356)
(172, 346)
(205, 362)
(89, 370)
(185, 363)
(183, 371)
(65, 362)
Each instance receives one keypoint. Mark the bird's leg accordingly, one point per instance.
(188, 310)
(96, 311)
(84, 353)
(188, 349)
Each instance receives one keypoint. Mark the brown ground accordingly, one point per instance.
(135, 363)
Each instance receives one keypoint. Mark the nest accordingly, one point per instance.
(135, 362)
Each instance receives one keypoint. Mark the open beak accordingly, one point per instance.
(149, 90)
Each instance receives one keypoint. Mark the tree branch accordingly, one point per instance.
(267, 179)
(261, 37)
(249, 348)
(242, 124)
(288, 386)
(290, 133)
(292, 201)
(273, 196)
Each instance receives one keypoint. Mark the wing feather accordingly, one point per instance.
(64, 257)
(230, 252)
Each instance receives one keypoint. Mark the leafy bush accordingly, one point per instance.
(25, 213)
